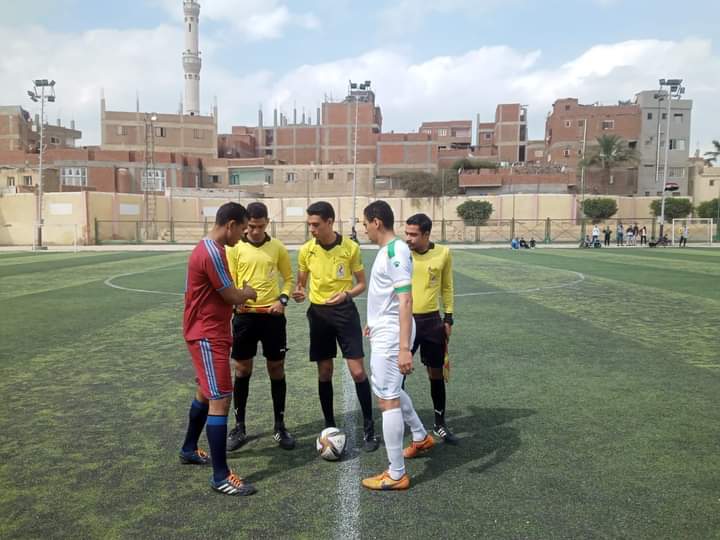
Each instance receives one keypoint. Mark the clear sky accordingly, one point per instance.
(428, 60)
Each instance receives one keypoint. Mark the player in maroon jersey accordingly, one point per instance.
(209, 297)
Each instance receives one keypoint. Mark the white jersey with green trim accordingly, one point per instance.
(391, 274)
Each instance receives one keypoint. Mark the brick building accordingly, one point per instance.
(19, 132)
(565, 128)
(505, 139)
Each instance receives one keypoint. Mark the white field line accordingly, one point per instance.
(348, 488)
(109, 281)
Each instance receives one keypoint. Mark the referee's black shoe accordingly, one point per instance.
(283, 438)
(370, 441)
(442, 431)
(236, 438)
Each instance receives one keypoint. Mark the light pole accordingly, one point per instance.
(355, 96)
(674, 89)
(39, 95)
(582, 172)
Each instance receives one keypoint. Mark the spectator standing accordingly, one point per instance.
(607, 232)
(619, 234)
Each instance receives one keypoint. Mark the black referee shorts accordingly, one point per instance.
(430, 338)
(268, 329)
(333, 325)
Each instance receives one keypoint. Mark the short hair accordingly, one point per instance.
(422, 221)
(321, 208)
(231, 211)
(257, 210)
(382, 211)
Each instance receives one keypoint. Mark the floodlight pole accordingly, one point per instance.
(40, 96)
(674, 86)
(354, 183)
(582, 172)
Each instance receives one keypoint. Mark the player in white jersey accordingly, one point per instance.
(391, 329)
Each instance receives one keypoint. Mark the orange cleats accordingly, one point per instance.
(419, 447)
(383, 482)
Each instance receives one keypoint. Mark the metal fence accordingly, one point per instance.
(546, 231)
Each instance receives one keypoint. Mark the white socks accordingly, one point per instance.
(411, 418)
(393, 431)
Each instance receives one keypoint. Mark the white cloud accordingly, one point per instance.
(442, 87)
(252, 20)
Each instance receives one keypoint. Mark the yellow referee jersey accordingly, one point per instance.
(261, 266)
(331, 267)
(432, 277)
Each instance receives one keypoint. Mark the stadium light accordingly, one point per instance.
(674, 89)
(43, 90)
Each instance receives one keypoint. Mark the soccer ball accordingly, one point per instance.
(330, 444)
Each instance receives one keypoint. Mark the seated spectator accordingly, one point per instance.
(515, 244)
(523, 243)
(532, 242)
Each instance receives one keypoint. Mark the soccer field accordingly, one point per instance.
(585, 388)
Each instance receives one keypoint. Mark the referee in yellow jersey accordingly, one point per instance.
(432, 279)
(260, 261)
(330, 262)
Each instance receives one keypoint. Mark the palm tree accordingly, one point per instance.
(612, 151)
(712, 156)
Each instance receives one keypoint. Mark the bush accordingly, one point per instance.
(709, 209)
(469, 164)
(675, 208)
(425, 184)
(475, 212)
(599, 209)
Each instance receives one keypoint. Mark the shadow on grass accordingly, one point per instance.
(484, 434)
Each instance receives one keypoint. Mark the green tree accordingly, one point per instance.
(600, 208)
(675, 208)
(712, 156)
(425, 184)
(470, 164)
(709, 209)
(611, 152)
(475, 212)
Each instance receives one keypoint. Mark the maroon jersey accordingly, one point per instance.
(207, 316)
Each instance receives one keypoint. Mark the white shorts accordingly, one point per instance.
(385, 375)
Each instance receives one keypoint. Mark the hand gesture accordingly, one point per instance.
(337, 298)
(299, 294)
(248, 292)
(277, 308)
(405, 361)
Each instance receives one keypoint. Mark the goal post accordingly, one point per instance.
(66, 235)
(699, 230)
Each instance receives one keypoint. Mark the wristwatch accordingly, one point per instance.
(284, 299)
(448, 319)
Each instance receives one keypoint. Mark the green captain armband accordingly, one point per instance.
(403, 289)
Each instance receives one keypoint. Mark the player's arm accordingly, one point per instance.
(231, 254)
(448, 293)
(298, 293)
(285, 269)
(356, 267)
(216, 268)
(405, 359)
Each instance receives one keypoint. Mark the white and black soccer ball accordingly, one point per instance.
(330, 444)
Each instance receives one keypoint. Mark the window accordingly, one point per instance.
(268, 178)
(27, 180)
(331, 176)
(198, 134)
(677, 144)
(268, 151)
(678, 118)
(54, 140)
(664, 116)
(581, 123)
(442, 132)
(316, 176)
(538, 153)
(608, 124)
(73, 176)
(153, 180)
(215, 178)
(234, 179)
(676, 172)
(10, 181)
(427, 131)
(579, 152)
(712, 182)
(160, 132)
(488, 136)
(567, 107)
(568, 123)
(632, 145)
(649, 117)
(349, 177)
(566, 152)
(290, 178)
(122, 130)
(647, 193)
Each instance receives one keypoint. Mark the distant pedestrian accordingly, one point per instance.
(629, 237)
(619, 233)
(607, 232)
(643, 236)
(595, 234)
(684, 236)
